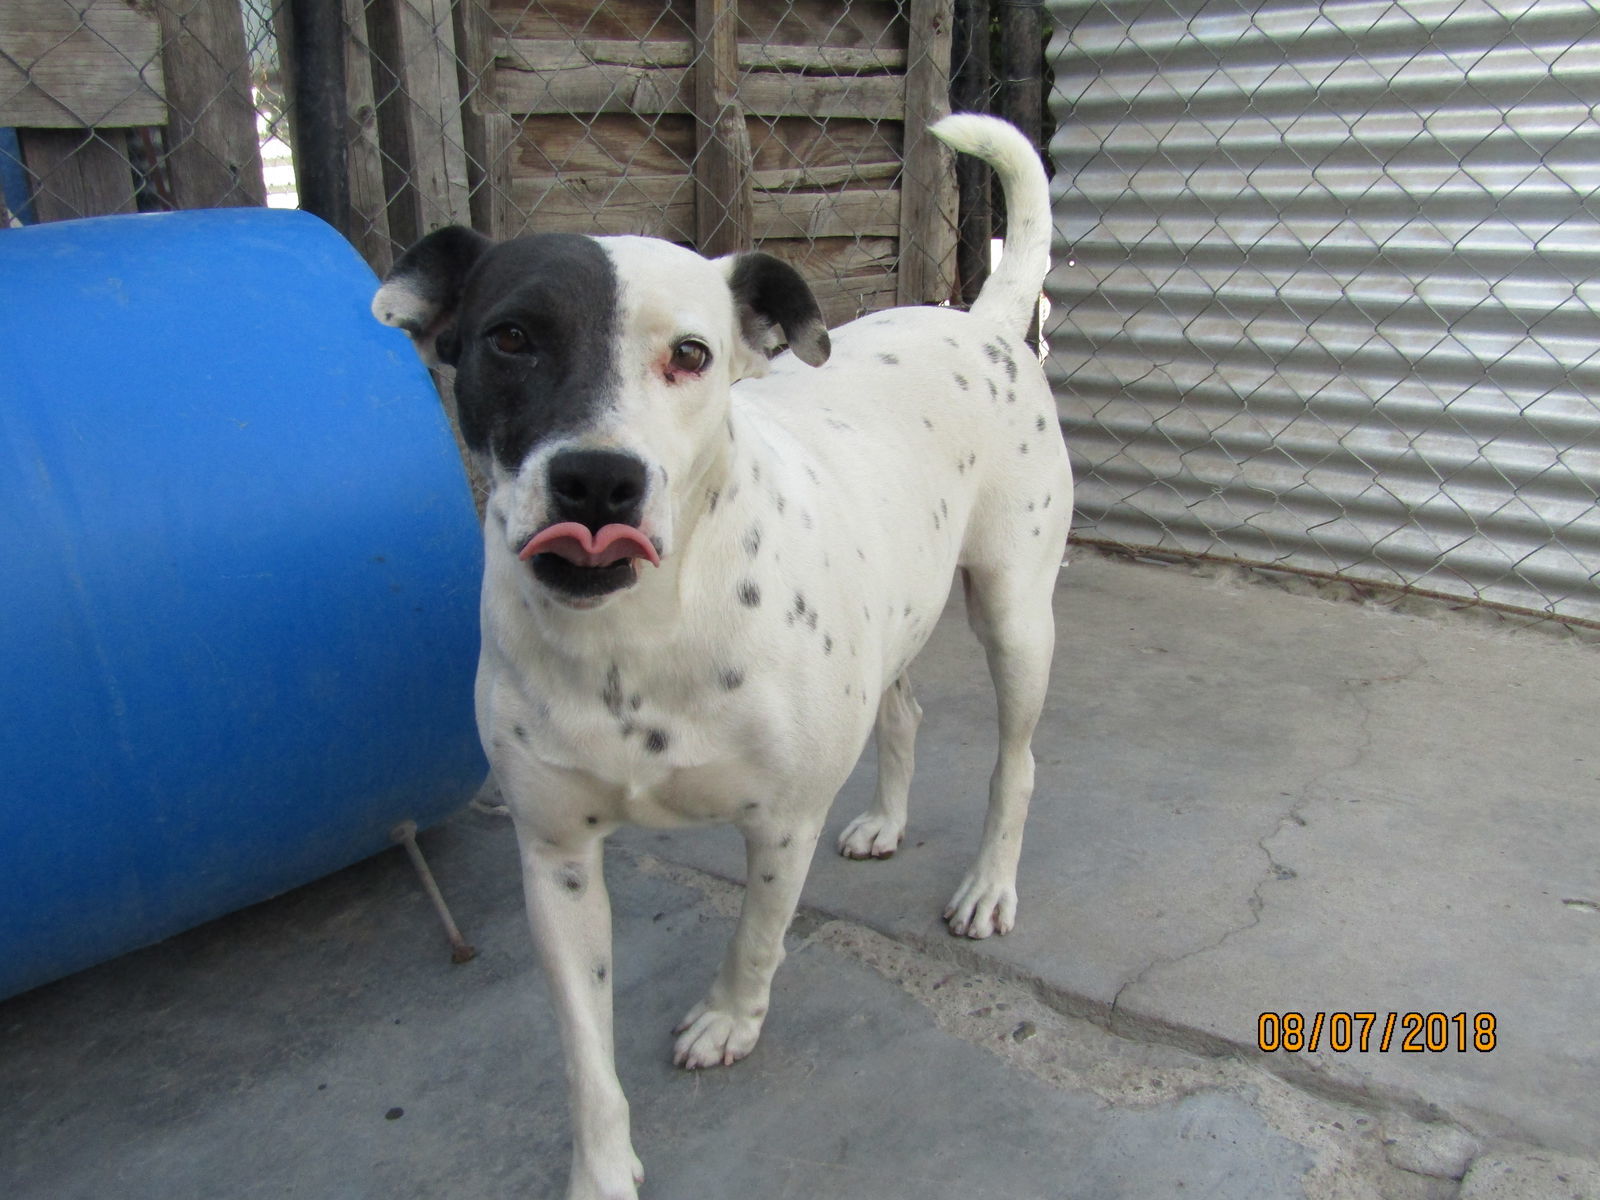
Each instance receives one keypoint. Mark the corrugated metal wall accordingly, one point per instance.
(1327, 287)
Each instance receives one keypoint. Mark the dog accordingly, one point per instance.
(708, 565)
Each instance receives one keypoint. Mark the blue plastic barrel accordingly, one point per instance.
(238, 579)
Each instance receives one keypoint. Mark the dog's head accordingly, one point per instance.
(591, 373)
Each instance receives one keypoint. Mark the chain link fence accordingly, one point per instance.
(1323, 293)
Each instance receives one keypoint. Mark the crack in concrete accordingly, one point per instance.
(1276, 872)
(1359, 1150)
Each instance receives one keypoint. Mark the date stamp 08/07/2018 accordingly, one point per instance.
(1365, 1032)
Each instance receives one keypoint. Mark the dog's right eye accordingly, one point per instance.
(508, 339)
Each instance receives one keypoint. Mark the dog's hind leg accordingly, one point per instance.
(571, 918)
(1010, 611)
(723, 1028)
(877, 833)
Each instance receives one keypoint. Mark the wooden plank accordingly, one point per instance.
(606, 145)
(618, 20)
(528, 54)
(787, 151)
(664, 206)
(369, 208)
(609, 88)
(849, 276)
(77, 172)
(928, 232)
(486, 132)
(859, 23)
(93, 63)
(722, 142)
(213, 155)
(661, 206)
(423, 135)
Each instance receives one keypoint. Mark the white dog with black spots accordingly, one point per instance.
(707, 569)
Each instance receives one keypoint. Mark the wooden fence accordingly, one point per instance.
(794, 125)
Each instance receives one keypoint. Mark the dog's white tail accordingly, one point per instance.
(1011, 294)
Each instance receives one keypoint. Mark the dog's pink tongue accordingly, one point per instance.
(574, 542)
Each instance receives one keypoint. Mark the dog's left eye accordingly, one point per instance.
(508, 339)
(690, 356)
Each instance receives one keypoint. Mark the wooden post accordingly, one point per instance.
(213, 154)
(927, 187)
(722, 210)
(1022, 84)
(488, 132)
(368, 229)
(318, 101)
(77, 172)
(970, 93)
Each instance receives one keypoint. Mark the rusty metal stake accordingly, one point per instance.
(405, 834)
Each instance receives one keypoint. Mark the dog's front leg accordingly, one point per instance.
(571, 918)
(723, 1027)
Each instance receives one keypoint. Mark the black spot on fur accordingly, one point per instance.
(591, 820)
(1035, 531)
(752, 541)
(1039, 424)
(656, 741)
(827, 644)
(1011, 369)
(522, 734)
(961, 382)
(634, 701)
(950, 341)
(994, 392)
(812, 473)
(805, 520)
(1022, 447)
(749, 594)
(732, 680)
(612, 695)
(889, 360)
(811, 619)
(767, 877)
(799, 604)
(1011, 396)
(785, 842)
(834, 423)
(971, 458)
(600, 973)
(714, 497)
(927, 424)
(572, 878)
(944, 508)
(992, 352)
(1047, 499)
(751, 805)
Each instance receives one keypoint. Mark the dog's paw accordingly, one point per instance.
(871, 836)
(610, 1184)
(982, 905)
(710, 1037)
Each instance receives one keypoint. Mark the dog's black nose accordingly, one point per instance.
(597, 488)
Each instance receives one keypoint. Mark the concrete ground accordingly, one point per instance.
(1247, 801)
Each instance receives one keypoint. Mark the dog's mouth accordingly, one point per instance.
(569, 559)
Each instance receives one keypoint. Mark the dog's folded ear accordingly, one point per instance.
(423, 290)
(776, 307)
